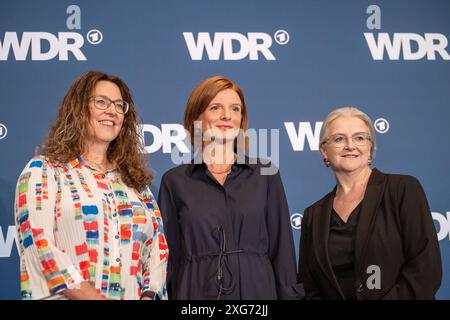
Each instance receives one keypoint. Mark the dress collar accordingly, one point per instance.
(195, 166)
(78, 162)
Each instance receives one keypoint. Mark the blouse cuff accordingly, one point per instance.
(150, 294)
(291, 292)
(72, 280)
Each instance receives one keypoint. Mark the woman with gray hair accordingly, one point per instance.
(372, 236)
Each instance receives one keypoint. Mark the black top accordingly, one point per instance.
(227, 242)
(341, 249)
(397, 252)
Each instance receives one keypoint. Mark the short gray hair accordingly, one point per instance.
(349, 112)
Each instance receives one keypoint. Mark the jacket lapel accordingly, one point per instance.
(321, 232)
(371, 201)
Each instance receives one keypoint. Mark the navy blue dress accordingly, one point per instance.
(227, 242)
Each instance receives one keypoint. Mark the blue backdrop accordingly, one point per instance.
(295, 61)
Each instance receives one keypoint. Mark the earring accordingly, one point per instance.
(370, 160)
(326, 162)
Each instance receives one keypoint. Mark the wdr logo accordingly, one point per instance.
(59, 46)
(6, 243)
(427, 46)
(304, 133)
(412, 46)
(46, 46)
(253, 45)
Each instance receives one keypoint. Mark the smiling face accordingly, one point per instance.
(222, 118)
(104, 125)
(347, 157)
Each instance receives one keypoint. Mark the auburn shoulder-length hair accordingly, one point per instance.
(66, 138)
(201, 97)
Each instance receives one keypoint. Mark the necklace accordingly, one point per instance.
(100, 165)
(220, 172)
(225, 171)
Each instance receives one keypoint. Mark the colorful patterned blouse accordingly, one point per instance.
(78, 224)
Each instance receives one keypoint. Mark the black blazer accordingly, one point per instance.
(395, 232)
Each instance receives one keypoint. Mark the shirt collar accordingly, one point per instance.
(75, 163)
(78, 162)
(195, 166)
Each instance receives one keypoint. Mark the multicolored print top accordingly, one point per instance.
(78, 224)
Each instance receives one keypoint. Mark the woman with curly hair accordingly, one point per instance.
(88, 224)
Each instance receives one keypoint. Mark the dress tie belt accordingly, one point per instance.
(222, 262)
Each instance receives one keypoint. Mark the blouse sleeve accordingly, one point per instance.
(171, 226)
(281, 244)
(45, 269)
(155, 255)
(312, 291)
(421, 275)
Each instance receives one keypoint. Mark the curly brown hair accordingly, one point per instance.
(66, 138)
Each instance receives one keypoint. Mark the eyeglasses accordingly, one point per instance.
(339, 140)
(103, 103)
